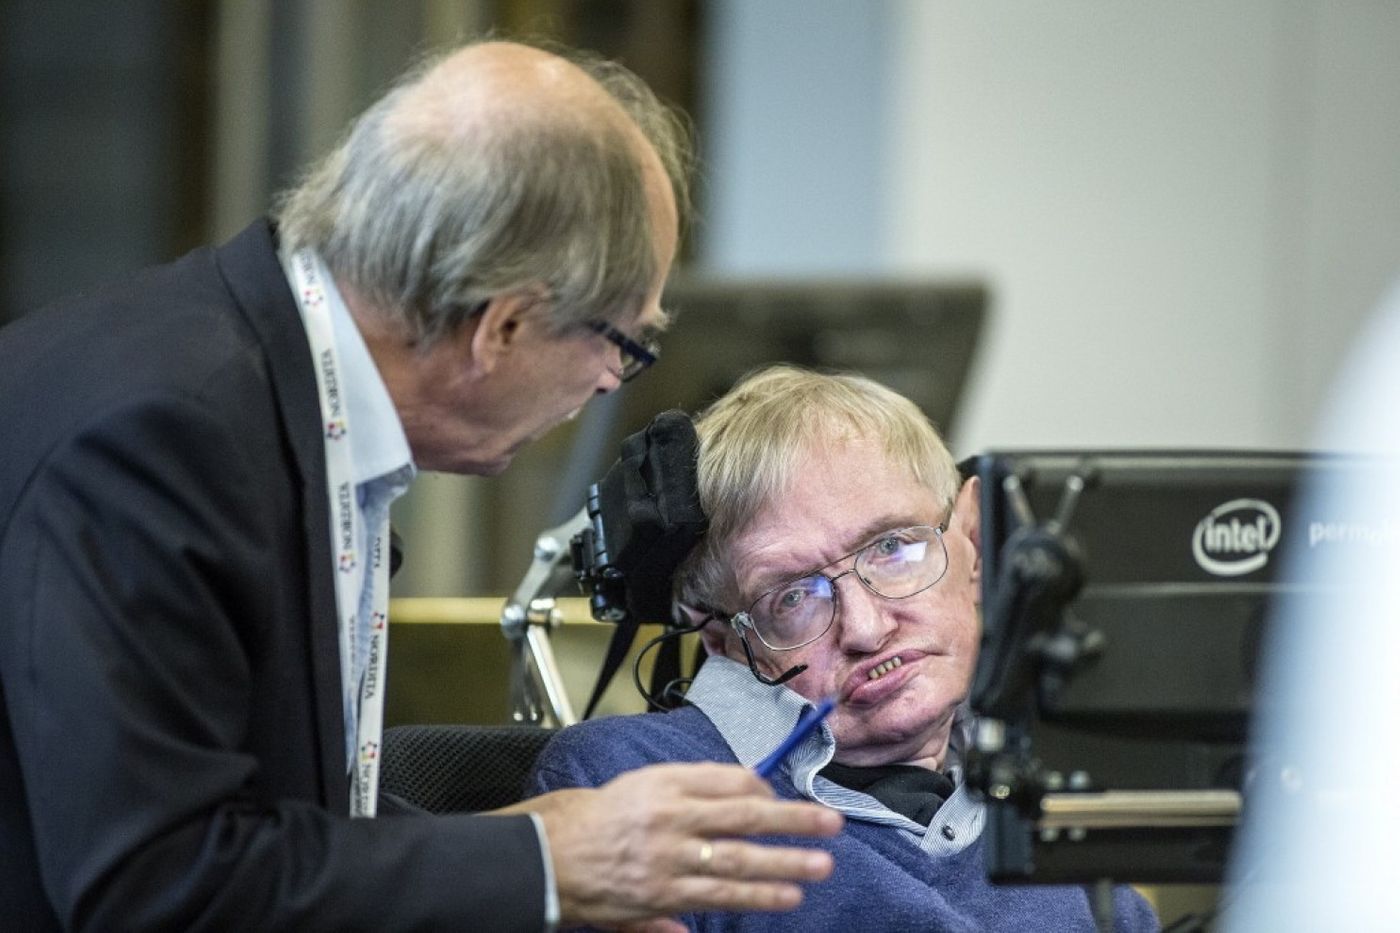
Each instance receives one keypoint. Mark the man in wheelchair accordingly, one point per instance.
(841, 561)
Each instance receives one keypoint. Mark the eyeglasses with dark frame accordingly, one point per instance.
(636, 356)
(898, 564)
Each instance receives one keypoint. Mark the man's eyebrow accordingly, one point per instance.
(783, 573)
(873, 529)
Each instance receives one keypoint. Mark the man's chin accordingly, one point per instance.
(541, 432)
(466, 463)
(493, 467)
(897, 734)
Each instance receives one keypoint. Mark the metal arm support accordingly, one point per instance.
(537, 689)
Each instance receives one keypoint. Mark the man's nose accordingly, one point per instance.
(609, 380)
(864, 624)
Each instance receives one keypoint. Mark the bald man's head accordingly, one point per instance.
(496, 168)
(500, 88)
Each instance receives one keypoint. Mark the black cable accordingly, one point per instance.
(671, 693)
(659, 702)
(674, 691)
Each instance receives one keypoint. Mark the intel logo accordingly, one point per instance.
(1236, 537)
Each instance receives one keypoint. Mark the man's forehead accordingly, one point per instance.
(796, 535)
(806, 545)
(841, 489)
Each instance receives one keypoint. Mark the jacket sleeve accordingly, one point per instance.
(127, 669)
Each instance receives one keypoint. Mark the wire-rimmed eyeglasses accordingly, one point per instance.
(636, 356)
(896, 565)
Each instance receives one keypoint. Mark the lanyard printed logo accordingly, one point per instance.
(362, 698)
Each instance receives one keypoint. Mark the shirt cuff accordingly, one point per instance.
(551, 892)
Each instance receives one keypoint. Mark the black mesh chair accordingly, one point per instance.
(456, 769)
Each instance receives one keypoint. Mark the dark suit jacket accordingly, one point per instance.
(171, 741)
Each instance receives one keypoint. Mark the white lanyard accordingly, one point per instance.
(346, 526)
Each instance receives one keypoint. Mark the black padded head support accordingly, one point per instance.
(650, 513)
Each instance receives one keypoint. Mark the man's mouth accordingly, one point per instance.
(870, 684)
(881, 670)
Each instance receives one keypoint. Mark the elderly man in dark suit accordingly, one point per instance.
(195, 478)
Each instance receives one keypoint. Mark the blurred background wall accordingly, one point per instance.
(1183, 209)
(1180, 212)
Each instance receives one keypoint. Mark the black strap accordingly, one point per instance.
(665, 671)
(622, 637)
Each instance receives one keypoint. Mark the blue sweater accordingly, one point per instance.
(882, 881)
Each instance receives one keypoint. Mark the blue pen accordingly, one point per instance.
(809, 721)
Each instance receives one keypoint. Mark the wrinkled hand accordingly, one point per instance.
(662, 840)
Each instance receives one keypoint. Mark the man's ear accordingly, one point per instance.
(967, 512)
(714, 636)
(499, 328)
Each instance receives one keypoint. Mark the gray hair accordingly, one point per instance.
(429, 222)
(754, 437)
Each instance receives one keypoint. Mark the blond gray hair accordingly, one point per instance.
(754, 437)
(430, 222)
